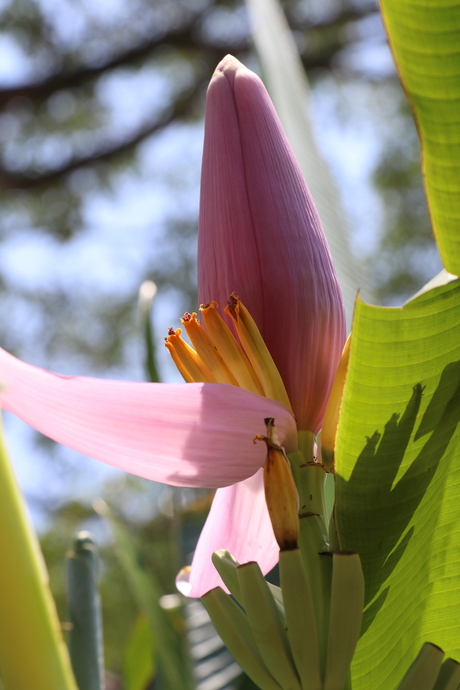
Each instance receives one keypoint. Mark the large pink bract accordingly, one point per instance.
(260, 237)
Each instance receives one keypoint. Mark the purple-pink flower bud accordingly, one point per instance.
(260, 236)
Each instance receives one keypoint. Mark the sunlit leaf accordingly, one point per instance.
(425, 39)
(398, 480)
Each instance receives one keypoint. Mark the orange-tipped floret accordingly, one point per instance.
(207, 350)
(231, 352)
(257, 352)
(186, 359)
(219, 358)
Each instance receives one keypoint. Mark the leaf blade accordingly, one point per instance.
(398, 476)
(424, 38)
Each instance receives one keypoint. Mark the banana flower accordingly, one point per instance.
(259, 237)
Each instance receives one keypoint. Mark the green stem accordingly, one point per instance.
(309, 477)
(334, 545)
(318, 563)
(313, 539)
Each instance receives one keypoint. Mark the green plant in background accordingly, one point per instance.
(84, 616)
(167, 628)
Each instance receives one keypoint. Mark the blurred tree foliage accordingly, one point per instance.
(407, 253)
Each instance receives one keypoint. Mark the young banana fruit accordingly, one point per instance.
(300, 619)
(267, 626)
(428, 672)
(234, 629)
(346, 612)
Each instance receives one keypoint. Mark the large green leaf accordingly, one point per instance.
(398, 480)
(288, 86)
(425, 38)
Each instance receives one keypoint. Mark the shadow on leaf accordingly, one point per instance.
(376, 506)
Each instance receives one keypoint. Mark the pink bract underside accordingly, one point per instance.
(181, 434)
(238, 522)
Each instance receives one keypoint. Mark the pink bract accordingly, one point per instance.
(260, 236)
(239, 520)
(196, 435)
(186, 435)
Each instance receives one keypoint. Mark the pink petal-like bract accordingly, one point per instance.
(239, 522)
(198, 435)
(260, 236)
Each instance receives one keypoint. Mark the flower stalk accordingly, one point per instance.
(85, 635)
